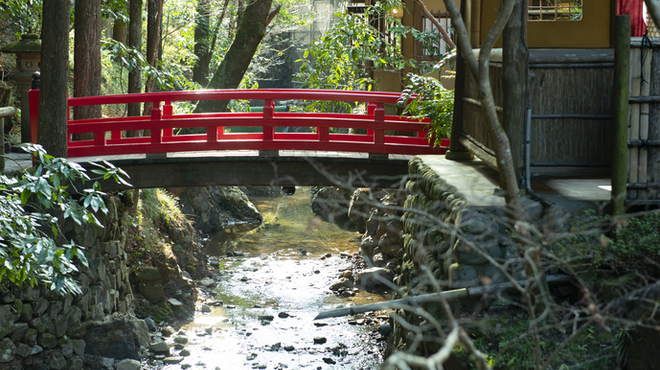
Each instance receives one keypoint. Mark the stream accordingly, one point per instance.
(259, 312)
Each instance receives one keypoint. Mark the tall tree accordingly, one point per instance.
(203, 49)
(87, 58)
(52, 132)
(135, 42)
(251, 30)
(119, 27)
(154, 19)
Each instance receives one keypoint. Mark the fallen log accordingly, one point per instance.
(405, 303)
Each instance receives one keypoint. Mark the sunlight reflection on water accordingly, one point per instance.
(276, 276)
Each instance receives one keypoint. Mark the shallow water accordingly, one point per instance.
(286, 268)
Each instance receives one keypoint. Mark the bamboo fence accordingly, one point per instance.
(643, 185)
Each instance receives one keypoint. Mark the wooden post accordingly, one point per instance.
(4, 114)
(621, 96)
(457, 152)
(514, 83)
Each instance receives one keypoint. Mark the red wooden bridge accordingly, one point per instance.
(372, 134)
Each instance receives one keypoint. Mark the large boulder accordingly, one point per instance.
(119, 338)
(219, 208)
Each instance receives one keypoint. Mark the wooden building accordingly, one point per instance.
(566, 124)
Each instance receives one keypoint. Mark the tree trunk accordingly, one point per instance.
(154, 17)
(119, 29)
(53, 105)
(251, 31)
(202, 43)
(87, 59)
(135, 42)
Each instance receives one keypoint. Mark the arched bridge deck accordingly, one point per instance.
(368, 148)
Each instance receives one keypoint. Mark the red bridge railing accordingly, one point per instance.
(109, 137)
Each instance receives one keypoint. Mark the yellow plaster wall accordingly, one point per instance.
(593, 31)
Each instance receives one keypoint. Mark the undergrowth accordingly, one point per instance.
(159, 230)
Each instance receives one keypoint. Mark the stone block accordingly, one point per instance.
(38, 325)
(29, 293)
(74, 316)
(26, 313)
(20, 329)
(68, 301)
(6, 329)
(97, 312)
(74, 363)
(55, 309)
(78, 346)
(47, 323)
(7, 350)
(61, 325)
(47, 340)
(462, 275)
(468, 255)
(23, 350)
(128, 364)
(66, 348)
(6, 295)
(40, 306)
(30, 337)
(55, 360)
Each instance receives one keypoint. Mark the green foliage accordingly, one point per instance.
(603, 244)
(425, 97)
(32, 248)
(24, 16)
(508, 343)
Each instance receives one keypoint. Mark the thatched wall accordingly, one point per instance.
(570, 94)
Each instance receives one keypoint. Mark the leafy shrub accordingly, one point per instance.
(30, 247)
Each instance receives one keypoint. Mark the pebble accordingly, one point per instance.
(151, 324)
(209, 330)
(184, 353)
(181, 339)
(289, 348)
(283, 315)
(328, 360)
(167, 331)
(172, 360)
(320, 324)
(206, 309)
(266, 317)
(385, 330)
(320, 340)
(251, 356)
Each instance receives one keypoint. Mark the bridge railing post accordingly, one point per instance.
(156, 129)
(371, 110)
(379, 118)
(267, 129)
(167, 113)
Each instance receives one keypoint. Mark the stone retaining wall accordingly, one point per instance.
(42, 329)
(443, 232)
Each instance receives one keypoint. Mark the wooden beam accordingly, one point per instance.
(621, 98)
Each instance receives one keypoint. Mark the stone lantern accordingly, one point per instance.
(28, 59)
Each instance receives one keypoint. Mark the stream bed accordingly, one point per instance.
(269, 285)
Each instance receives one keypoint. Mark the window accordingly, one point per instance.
(554, 10)
(437, 46)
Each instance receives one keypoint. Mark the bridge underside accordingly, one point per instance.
(259, 170)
